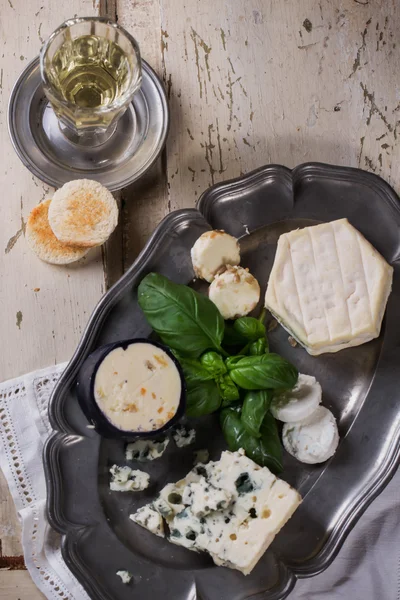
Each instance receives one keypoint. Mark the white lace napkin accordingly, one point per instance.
(367, 567)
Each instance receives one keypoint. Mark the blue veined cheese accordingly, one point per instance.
(144, 450)
(183, 436)
(201, 456)
(126, 577)
(150, 519)
(328, 287)
(125, 479)
(236, 536)
(203, 498)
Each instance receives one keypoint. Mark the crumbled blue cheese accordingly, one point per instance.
(201, 456)
(143, 450)
(125, 479)
(204, 498)
(184, 436)
(150, 519)
(125, 576)
(256, 506)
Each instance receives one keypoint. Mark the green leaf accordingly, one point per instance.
(249, 328)
(202, 399)
(193, 370)
(258, 347)
(265, 451)
(213, 363)
(255, 407)
(185, 320)
(232, 361)
(228, 390)
(262, 372)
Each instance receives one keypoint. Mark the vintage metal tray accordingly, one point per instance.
(361, 385)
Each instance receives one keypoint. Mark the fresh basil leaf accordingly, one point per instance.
(202, 399)
(232, 338)
(228, 390)
(193, 370)
(249, 328)
(265, 451)
(232, 361)
(262, 372)
(184, 319)
(258, 347)
(255, 406)
(213, 363)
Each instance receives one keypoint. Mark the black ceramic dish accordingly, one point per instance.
(88, 404)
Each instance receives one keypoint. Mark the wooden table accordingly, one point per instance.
(249, 82)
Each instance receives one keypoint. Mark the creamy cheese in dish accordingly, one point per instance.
(329, 287)
(138, 388)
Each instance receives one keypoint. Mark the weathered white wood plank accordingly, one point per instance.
(43, 308)
(285, 82)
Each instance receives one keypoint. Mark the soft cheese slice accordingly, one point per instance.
(246, 506)
(329, 287)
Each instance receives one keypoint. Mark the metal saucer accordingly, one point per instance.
(131, 150)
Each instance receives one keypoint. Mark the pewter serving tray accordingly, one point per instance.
(361, 385)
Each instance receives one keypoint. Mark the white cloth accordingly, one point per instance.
(367, 567)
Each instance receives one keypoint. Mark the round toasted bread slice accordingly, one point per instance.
(83, 213)
(44, 243)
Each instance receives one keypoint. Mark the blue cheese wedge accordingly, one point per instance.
(246, 506)
(329, 287)
(201, 456)
(203, 498)
(125, 479)
(183, 436)
(144, 450)
(148, 518)
(126, 577)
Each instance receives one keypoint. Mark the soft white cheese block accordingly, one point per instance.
(235, 292)
(212, 251)
(242, 507)
(299, 403)
(329, 287)
(313, 440)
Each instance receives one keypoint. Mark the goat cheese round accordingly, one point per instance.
(235, 292)
(138, 387)
(213, 250)
(297, 404)
(314, 440)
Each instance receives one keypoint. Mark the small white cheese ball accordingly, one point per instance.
(235, 292)
(314, 440)
(213, 250)
(291, 406)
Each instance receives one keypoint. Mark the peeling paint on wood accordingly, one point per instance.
(19, 319)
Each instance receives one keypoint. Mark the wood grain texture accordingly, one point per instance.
(248, 83)
(43, 308)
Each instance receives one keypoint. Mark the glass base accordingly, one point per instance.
(87, 139)
(126, 155)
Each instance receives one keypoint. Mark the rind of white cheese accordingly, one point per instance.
(126, 577)
(144, 450)
(148, 518)
(183, 436)
(314, 440)
(125, 479)
(329, 287)
(235, 292)
(291, 406)
(238, 535)
(138, 387)
(213, 250)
